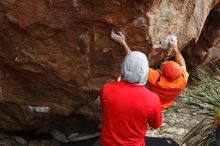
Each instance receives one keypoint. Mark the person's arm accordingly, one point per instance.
(178, 56)
(155, 119)
(153, 76)
(121, 40)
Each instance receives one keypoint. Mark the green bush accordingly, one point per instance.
(204, 96)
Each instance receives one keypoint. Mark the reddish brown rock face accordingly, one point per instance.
(56, 54)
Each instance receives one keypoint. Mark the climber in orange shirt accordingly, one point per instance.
(168, 81)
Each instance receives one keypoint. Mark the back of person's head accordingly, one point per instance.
(171, 70)
(135, 68)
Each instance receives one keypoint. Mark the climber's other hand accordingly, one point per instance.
(120, 38)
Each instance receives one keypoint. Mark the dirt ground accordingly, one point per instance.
(177, 121)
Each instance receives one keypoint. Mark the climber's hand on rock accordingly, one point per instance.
(172, 42)
(118, 38)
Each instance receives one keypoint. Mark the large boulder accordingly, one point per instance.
(55, 55)
(207, 48)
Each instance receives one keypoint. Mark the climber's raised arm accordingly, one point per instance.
(178, 56)
(120, 38)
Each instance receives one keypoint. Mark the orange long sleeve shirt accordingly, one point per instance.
(165, 89)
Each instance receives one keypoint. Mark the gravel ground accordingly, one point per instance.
(177, 121)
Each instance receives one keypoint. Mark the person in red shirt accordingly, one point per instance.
(128, 106)
(168, 81)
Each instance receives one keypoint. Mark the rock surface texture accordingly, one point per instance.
(55, 55)
(207, 48)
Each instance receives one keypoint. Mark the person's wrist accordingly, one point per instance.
(174, 51)
(175, 48)
(124, 44)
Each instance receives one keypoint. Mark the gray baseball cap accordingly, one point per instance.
(135, 68)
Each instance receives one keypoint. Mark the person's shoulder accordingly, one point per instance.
(108, 87)
(152, 99)
(153, 71)
(185, 74)
(151, 95)
(154, 95)
(153, 76)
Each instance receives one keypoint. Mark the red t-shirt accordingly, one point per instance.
(127, 108)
